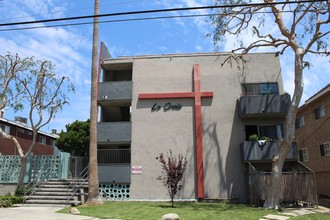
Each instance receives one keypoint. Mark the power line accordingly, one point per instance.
(123, 20)
(158, 11)
(108, 21)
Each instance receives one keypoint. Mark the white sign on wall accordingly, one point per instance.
(136, 170)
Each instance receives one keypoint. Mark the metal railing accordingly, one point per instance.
(114, 156)
(76, 184)
(38, 181)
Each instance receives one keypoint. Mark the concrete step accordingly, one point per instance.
(57, 192)
(40, 197)
(54, 190)
(44, 205)
(61, 185)
(57, 202)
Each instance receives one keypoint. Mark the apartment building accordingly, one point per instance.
(313, 136)
(204, 106)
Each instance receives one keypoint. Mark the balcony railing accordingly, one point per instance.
(114, 156)
(114, 91)
(253, 151)
(114, 132)
(263, 106)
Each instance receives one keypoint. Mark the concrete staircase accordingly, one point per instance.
(56, 192)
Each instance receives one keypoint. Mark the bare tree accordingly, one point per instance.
(171, 176)
(41, 92)
(302, 30)
(93, 185)
(10, 66)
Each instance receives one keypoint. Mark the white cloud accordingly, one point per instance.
(199, 48)
(45, 8)
(68, 48)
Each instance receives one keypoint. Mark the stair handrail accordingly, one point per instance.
(36, 183)
(77, 183)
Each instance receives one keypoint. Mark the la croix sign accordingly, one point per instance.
(167, 107)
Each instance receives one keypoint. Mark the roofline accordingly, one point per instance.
(323, 91)
(56, 136)
(179, 55)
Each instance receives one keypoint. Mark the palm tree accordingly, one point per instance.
(93, 186)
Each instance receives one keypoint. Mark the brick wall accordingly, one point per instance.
(24, 137)
(314, 133)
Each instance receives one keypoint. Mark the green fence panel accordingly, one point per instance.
(64, 169)
(10, 167)
(39, 167)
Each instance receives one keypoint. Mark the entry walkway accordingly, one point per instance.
(39, 213)
(295, 212)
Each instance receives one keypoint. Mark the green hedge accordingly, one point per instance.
(9, 201)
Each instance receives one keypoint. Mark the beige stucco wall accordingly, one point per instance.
(223, 131)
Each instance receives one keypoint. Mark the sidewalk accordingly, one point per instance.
(38, 213)
(284, 215)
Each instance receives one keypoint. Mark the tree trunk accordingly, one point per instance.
(23, 170)
(172, 200)
(274, 190)
(93, 187)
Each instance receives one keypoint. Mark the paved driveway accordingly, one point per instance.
(38, 213)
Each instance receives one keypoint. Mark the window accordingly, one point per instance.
(303, 155)
(274, 132)
(260, 89)
(319, 112)
(42, 140)
(271, 131)
(268, 88)
(5, 128)
(325, 149)
(29, 132)
(52, 143)
(21, 130)
(300, 122)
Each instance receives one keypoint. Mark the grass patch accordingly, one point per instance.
(318, 216)
(186, 210)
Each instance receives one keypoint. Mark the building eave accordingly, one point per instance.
(25, 126)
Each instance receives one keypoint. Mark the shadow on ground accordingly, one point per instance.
(324, 202)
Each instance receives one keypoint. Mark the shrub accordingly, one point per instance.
(171, 176)
(255, 137)
(20, 191)
(9, 201)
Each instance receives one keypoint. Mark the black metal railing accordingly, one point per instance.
(119, 156)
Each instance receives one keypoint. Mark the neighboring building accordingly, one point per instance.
(198, 105)
(19, 129)
(313, 136)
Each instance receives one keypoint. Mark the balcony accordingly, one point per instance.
(114, 156)
(263, 106)
(114, 91)
(114, 165)
(252, 151)
(114, 132)
(114, 173)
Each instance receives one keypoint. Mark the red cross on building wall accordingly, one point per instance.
(197, 95)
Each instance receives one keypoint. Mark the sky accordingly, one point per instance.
(69, 47)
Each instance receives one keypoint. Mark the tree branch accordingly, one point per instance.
(296, 22)
(12, 138)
